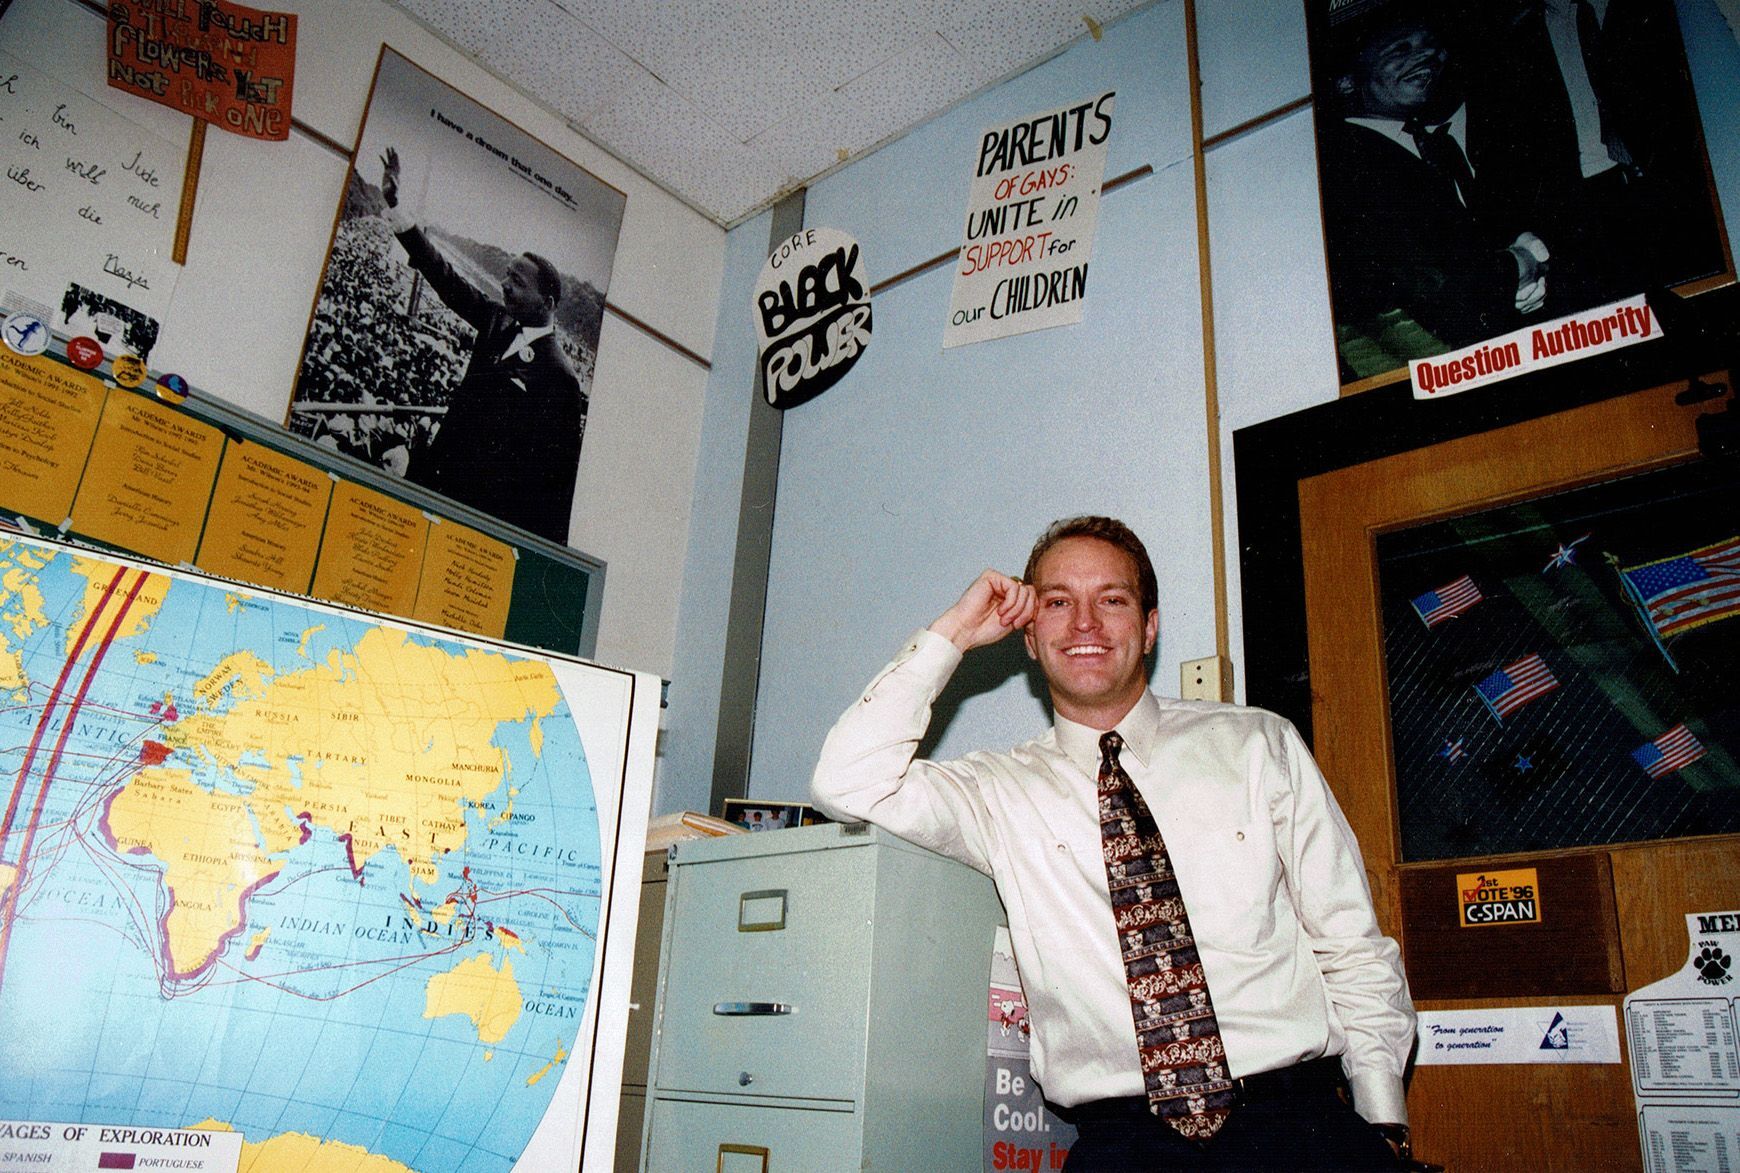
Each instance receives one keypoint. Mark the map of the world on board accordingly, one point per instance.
(330, 883)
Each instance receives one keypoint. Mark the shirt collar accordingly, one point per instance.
(1140, 729)
(528, 335)
(1391, 128)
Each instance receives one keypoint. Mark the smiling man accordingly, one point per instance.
(1205, 975)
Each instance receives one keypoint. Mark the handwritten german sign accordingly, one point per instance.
(89, 200)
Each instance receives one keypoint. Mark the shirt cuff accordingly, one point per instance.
(925, 662)
(399, 220)
(1379, 1098)
(930, 653)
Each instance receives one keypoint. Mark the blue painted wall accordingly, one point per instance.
(924, 466)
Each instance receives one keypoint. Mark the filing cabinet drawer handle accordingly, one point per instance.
(743, 1009)
(761, 912)
(742, 1150)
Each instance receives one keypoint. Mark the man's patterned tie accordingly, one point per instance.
(1183, 1059)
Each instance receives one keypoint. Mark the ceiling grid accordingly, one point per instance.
(730, 106)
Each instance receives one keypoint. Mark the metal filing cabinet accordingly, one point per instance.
(821, 1006)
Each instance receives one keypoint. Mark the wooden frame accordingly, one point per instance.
(1272, 458)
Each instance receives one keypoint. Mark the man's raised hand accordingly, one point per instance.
(390, 177)
(991, 608)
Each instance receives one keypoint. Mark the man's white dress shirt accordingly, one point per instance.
(1270, 872)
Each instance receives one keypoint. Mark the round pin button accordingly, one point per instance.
(128, 369)
(84, 353)
(25, 334)
(171, 388)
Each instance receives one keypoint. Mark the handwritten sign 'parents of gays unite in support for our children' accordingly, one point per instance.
(1031, 217)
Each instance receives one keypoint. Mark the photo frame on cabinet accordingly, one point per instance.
(757, 815)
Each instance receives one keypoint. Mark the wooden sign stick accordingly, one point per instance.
(189, 188)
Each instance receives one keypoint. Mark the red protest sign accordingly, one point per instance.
(231, 66)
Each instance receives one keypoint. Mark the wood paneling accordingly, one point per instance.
(1573, 949)
(1656, 885)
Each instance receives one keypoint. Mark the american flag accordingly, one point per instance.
(1673, 750)
(1515, 685)
(1448, 601)
(1690, 590)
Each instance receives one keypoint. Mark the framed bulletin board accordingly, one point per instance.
(155, 469)
(1481, 712)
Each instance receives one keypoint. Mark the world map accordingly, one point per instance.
(330, 883)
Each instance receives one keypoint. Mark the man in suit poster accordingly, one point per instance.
(455, 332)
(510, 442)
(1490, 163)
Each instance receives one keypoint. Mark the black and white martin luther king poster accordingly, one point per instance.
(453, 338)
(1031, 216)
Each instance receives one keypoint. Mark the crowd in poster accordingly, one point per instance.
(1685, 1055)
(1031, 217)
(1490, 166)
(812, 315)
(223, 63)
(89, 212)
(454, 334)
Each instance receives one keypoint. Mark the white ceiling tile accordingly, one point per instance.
(729, 105)
(884, 101)
(754, 65)
(649, 30)
(803, 147)
(658, 123)
(928, 76)
(469, 25)
(984, 32)
(537, 46)
(659, 131)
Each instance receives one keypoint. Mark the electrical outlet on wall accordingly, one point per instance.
(1205, 679)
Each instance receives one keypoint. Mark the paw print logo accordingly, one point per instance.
(1713, 965)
